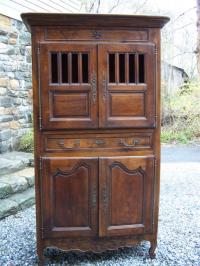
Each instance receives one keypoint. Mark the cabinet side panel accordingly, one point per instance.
(37, 36)
(154, 36)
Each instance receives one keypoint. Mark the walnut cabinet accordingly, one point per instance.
(96, 91)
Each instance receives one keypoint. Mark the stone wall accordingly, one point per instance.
(15, 82)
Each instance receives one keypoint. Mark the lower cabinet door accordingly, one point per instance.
(69, 197)
(126, 195)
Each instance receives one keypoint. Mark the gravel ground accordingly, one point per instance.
(179, 224)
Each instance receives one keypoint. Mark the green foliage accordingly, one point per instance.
(26, 142)
(169, 135)
(181, 115)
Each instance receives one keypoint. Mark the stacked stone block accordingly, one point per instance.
(15, 83)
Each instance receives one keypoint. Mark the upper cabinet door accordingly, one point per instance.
(68, 90)
(127, 85)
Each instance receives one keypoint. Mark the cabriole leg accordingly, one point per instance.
(152, 249)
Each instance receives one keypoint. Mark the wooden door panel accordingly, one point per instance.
(129, 200)
(126, 104)
(126, 195)
(69, 196)
(68, 92)
(68, 105)
(127, 85)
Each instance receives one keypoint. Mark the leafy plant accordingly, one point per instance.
(181, 115)
(26, 142)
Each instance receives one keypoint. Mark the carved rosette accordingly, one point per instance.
(96, 35)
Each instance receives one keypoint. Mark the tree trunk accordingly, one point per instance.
(198, 36)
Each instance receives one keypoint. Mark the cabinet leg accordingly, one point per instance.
(41, 257)
(152, 253)
(41, 260)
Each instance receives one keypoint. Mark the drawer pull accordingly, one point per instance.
(99, 141)
(61, 143)
(134, 143)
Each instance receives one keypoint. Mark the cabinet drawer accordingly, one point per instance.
(100, 141)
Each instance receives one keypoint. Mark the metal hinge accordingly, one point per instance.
(156, 117)
(40, 165)
(38, 48)
(155, 50)
(156, 162)
(40, 122)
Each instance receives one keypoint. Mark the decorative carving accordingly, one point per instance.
(94, 86)
(94, 246)
(73, 170)
(96, 34)
(123, 167)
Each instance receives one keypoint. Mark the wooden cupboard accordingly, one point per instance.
(96, 91)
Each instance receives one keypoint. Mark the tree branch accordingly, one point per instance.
(92, 6)
(183, 14)
(184, 26)
(140, 7)
(114, 6)
(180, 55)
(98, 6)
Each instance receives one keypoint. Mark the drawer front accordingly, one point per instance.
(53, 143)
